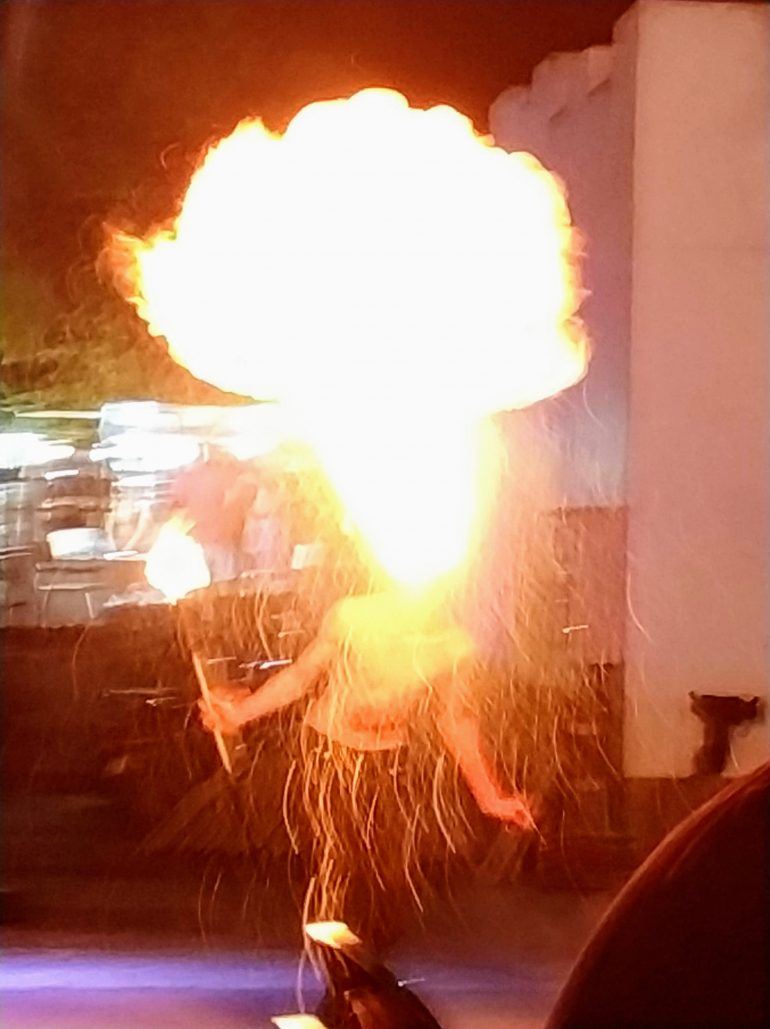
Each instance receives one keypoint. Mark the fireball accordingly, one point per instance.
(391, 278)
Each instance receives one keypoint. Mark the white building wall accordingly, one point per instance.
(699, 462)
(575, 119)
(662, 142)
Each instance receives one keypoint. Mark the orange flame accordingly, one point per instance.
(176, 564)
(392, 278)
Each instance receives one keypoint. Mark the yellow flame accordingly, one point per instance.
(298, 1022)
(334, 934)
(176, 564)
(392, 278)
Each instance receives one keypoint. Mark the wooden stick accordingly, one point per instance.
(219, 739)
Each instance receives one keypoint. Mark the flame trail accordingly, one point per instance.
(392, 278)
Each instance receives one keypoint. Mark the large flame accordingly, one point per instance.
(392, 278)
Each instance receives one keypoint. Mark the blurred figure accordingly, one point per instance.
(377, 660)
(386, 675)
(265, 542)
(134, 520)
(214, 495)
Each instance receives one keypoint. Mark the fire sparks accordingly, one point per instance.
(391, 278)
(176, 564)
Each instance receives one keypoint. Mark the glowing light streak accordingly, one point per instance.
(25, 449)
(140, 451)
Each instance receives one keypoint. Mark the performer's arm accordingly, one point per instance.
(289, 685)
(227, 713)
(460, 731)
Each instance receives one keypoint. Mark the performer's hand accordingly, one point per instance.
(514, 809)
(224, 711)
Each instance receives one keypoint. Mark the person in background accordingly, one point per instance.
(214, 495)
(265, 542)
(134, 522)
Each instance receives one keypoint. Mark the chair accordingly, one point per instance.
(17, 574)
(65, 590)
(73, 574)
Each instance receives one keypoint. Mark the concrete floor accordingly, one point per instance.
(70, 989)
(497, 963)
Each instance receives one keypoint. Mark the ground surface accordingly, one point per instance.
(49, 989)
(497, 961)
(98, 935)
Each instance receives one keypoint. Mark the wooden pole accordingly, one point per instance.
(219, 739)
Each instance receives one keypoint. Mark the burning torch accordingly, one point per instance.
(361, 993)
(176, 565)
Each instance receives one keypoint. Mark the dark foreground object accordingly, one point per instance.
(362, 993)
(687, 941)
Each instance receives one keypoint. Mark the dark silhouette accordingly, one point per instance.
(686, 943)
(720, 715)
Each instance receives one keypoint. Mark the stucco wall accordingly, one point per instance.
(698, 464)
(575, 119)
(662, 141)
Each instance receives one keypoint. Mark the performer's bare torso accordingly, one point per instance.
(381, 659)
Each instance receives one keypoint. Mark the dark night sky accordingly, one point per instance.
(107, 103)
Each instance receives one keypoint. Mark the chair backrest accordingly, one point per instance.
(80, 542)
(17, 565)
